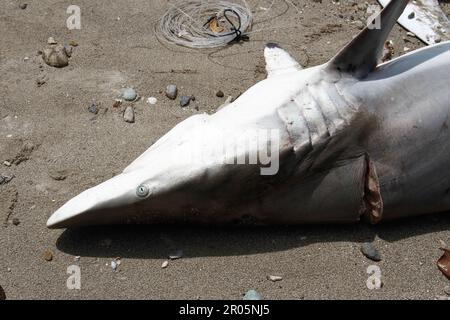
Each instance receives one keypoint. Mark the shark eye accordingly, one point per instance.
(142, 191)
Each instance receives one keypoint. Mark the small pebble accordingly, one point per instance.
(406, 49)
(184, 101)
(48, 256)
(437, 39)
(15, 221)
(275, 278)
(51, 40)
(252, 295)
(77, 258)
(176, 255)
(220, 94)
(114, 265)
(171, 91)
(152, 100)
(23, 6)
(93, 108)
(447, 290)
(55, 56)
(359, 24)
(411, 15)
(165, 264)
(128, 115)
(129, 94)
(7, 163)
(58, 175)
(73, 43)
(370, 251)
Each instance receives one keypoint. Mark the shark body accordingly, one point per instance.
(356, 140)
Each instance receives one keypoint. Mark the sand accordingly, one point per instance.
(59, 149)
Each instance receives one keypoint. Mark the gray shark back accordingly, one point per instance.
(410, 100)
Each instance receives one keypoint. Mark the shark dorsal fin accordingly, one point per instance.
(278, 61)
(361, 55)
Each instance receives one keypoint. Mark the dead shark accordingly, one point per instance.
(351, 140)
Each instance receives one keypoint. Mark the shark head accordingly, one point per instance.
(155, 182)
(190, 175)
(187, 171)
(100, 203)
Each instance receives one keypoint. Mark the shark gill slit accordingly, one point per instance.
(334, 111)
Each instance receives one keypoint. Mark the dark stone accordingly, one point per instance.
(93, 108)
(370, 251)
(184, 101)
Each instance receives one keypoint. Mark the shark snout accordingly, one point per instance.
(97, 205)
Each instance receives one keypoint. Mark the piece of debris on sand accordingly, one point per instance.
(18, 151)
(388, 51)
(56, 55)
(9, 197)
(4, 179)
(2, 294)
(48, 256)
(274, 278)
(444, 262)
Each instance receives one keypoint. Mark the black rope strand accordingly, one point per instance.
(237, 31)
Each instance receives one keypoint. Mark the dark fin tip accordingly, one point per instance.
(361, 55)
(272, 45)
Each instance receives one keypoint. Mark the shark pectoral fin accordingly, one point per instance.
(361, 55)
(278, 61)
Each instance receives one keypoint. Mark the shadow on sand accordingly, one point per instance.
(158, 241)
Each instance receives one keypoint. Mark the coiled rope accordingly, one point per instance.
(205, 23)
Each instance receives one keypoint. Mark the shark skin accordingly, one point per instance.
(354, 140)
